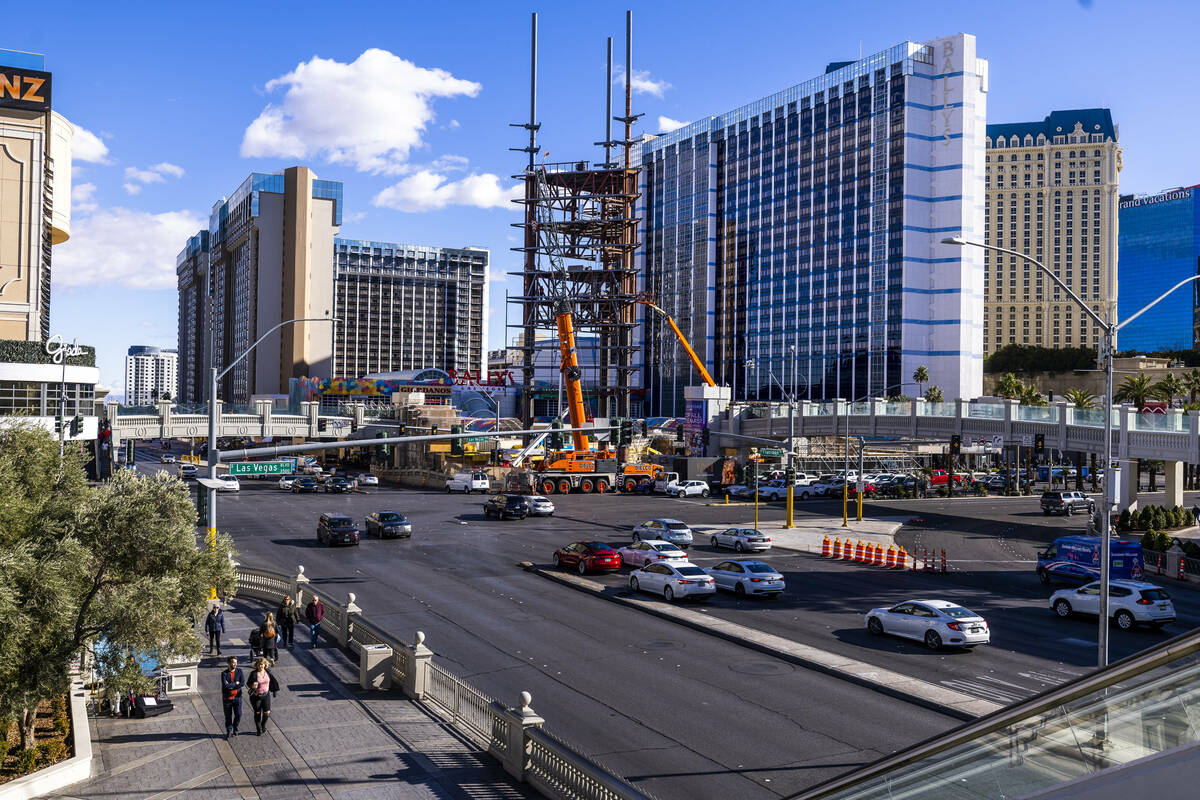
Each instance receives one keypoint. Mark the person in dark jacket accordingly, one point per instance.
(314, 612)
(287, 616)
(262, 687)
(214, 626)
(232, 681)
(270, 638)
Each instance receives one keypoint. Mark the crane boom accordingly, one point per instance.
(571, 375)
(696, 362)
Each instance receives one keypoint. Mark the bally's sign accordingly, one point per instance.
(25, 89)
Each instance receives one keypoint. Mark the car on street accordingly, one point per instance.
(937, 623)
(367, 479)
(746, 577)
(741, 540)
(539, 505)
(741, 491)
(506, 506)
(587, 557)
(305, 485)
(467, 482)
(338, 485)
(1067, 503)
(228, 484)
(387, 525)
(667, 530)
(673, 580)
(827, 488)
(647, 551)
(166, 458)
(187, 470)
(775, 490)
(287, 481)
(1130, 603)
(336, 529)
(689, 489)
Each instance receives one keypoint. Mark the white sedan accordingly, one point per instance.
(639, 554)
(741, 540)
(166, 458)
(689, 489)
(934, 622)
(748, 577)
(228, 484)
(286, 482)
(367, 479)
(673, 580)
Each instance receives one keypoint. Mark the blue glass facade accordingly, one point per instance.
(1158, 245)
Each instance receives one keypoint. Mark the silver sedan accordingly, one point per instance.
(741, 540)
(539, 505)
(748, 577)
(639, 554)
(934, 622)
(673, 580)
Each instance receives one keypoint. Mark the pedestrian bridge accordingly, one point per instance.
(168, 420)
(1173, 437)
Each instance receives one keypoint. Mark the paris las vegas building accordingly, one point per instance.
(798, 238)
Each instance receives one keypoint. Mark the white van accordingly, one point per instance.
(467, 482)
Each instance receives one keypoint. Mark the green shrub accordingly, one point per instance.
(27, 760)
(3, 751)
(1123, 522)
(51, 751)
(1191, 549)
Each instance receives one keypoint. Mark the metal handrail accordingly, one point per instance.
(1130, 667)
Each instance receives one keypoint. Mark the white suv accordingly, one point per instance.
(689, 489)
(1129, 603)
(467, 482)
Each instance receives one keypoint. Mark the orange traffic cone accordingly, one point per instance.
(878, 562)
(890, 561)
(825, 547)
(848, 551)
(859, 551)
(837, 547)
(869, 553)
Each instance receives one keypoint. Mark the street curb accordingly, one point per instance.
(880, 679)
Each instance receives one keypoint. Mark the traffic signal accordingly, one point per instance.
(456, 445)
(752, 472)
(381, 450)
(955, 444)
(202, 504)
(627, 432)
(704, 437)
(1039, 442)
(556, 437)
(789, 474)
(76, 425)
(322, 424)
(679, 432)
(401, 429)
(642, 428)
(353, 426)
(58, 423)
(433, 431)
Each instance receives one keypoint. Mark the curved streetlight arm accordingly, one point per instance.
(257, 341)
(1157, 300)
(958, 240)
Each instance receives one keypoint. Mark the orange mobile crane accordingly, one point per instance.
(696, 362)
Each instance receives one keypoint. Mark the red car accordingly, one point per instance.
(869, 490)
(587, 556)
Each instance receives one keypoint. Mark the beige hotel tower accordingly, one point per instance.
(1051, 194)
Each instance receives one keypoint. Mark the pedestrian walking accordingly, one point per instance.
(287, 616)
(262, 687)
(1196, 514)
(314, 612)
(270, 638)
(214, 626)
(232, 682)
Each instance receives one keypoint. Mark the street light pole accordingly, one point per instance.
(1108, 344)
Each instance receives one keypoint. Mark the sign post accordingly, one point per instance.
(262, 468)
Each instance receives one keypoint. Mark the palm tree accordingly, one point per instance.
(1192, 383)
(920, 378)
(1032, 397)
(1081, 398)
(1135, 390)
(1169, 388)
(1009, 387)
(934, 395)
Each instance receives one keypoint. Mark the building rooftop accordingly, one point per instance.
(1059, 123)
(22, 60)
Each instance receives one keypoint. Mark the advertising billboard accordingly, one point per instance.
(25, 89)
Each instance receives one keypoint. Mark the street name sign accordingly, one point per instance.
(261, 468)
(771, 452)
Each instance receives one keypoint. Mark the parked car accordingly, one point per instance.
(673, 580)
(741, 540)
(667, 530)
(741, 491)
(336, 529)
(1067, 503)
(305, 485)
(539, 505)
(935, 622)
(648, 551)
(587, 557)
(166, 458)
(689, 489)
(367, 479)
(338, 485)
(387, 525)
(506, 506)
(228, 484)
(869, 489)
(774, 490)
(287, 481)
(1130, 603)
(828, 488)
(940, 477)
(187, 470)
(467, 482)
(748, 578)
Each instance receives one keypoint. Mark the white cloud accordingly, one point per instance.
(86, 146)
(166, 168)
(449, 163)
(425, 190)
(666, 124)
(497, 275)
(452, 124)
(157, 173)
(134, 249)
(143, 175)
(354, 216)
(642, 83)
(83, 198)
(369, 113)
(132, 188)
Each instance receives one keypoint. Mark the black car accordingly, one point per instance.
(338, 485)
(506, 506)
(388, 525)
(304, 485)
(336, 529)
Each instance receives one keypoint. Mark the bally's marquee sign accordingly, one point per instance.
(25, 89)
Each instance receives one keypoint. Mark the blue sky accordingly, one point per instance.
(180, 101)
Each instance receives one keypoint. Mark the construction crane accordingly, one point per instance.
(696, 362)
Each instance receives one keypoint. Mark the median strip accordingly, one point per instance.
(881, 679)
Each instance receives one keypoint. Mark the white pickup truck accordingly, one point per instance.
(667, 481)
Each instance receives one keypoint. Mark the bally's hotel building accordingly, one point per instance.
(797, 240)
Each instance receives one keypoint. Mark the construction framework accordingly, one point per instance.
(580, 234)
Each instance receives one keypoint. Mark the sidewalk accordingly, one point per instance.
(327, 738)
(810, 532)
